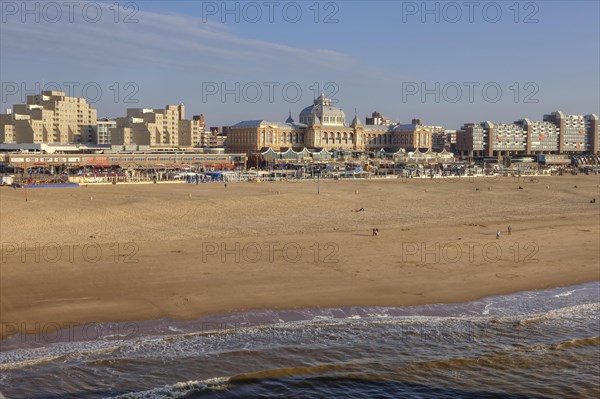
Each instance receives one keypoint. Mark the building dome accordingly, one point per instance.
(327, 114)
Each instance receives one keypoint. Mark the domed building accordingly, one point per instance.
(322, 125)
(326, 113)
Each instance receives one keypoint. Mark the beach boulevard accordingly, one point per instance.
(143, 252)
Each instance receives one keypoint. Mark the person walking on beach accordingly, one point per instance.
(225, 185)
(509, 230)
(498, 235)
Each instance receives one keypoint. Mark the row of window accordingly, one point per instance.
(325, 119)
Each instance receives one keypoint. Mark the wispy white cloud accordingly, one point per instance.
(160, 40)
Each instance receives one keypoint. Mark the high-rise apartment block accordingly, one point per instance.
(103, 131)
(556, 134)
(54, 118)
(51, 117)
(159, 127)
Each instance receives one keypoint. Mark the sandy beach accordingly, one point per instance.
(140, 252)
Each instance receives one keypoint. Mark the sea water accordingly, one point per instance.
(535, 344)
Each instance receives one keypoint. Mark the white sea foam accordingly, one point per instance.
(177, 343)
(563, 294)
(178, 390)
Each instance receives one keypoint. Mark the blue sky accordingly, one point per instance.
(376, 55)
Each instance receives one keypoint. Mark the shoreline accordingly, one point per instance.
(218, 323)
(196, 257)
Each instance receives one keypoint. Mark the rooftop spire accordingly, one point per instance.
(290, 119)
(356, 121)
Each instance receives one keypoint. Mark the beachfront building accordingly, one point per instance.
(413, 135)
(323, 125)
(192, 133)
(591, 126)
(7, 128)
(216, 137)
(577, 133)
(250, 136)
(491, 139)
(472, 139)
(443, 140)
(377, 119)
(507, 138)
(542, 136)
(129, 160)
(556, 134)
(159, 127)
(103, 130)
(50, 117)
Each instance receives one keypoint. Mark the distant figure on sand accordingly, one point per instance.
(225, 185)
(509, 230)
(498, 235)
(360, 210)
(375, 231)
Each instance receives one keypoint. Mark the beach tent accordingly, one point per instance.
(319, 154)
(445, 155)
(379, 153)
(268, 154)
(302, 152)
(295, 154)
(214, 176)
(394, 153)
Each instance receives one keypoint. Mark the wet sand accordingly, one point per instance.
(141, 252)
